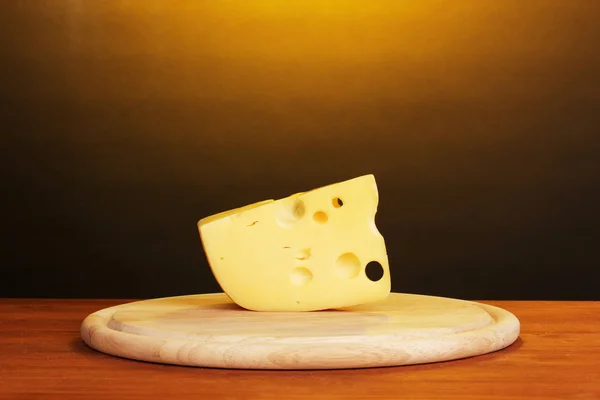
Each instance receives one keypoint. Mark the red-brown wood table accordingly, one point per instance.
(43, 357)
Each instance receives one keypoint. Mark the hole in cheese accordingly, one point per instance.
(347, 266)
(337, 202)
(374, 271)
(320, 217)
(373, 225)
(300, 276)
(302, 254)
(298, 209)
(289, 212)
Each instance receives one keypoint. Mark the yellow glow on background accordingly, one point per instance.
(330, 50)
(129, 120)
(296, 75)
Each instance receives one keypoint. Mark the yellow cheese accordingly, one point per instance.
(310, 251)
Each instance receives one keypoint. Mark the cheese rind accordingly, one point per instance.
(305, 252)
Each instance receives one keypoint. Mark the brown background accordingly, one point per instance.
(124, 122)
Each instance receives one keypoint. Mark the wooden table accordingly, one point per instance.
(556, 357)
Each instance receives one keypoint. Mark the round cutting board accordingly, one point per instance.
(211, 331)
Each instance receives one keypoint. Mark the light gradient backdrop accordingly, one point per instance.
(124, 122)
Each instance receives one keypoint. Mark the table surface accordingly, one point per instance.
(556, 357)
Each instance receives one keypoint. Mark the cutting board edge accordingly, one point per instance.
(503, 333)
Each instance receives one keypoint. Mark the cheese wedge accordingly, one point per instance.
(310, 251)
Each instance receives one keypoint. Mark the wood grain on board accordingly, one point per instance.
(210, 330)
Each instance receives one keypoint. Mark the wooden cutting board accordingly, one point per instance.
(211, 331)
